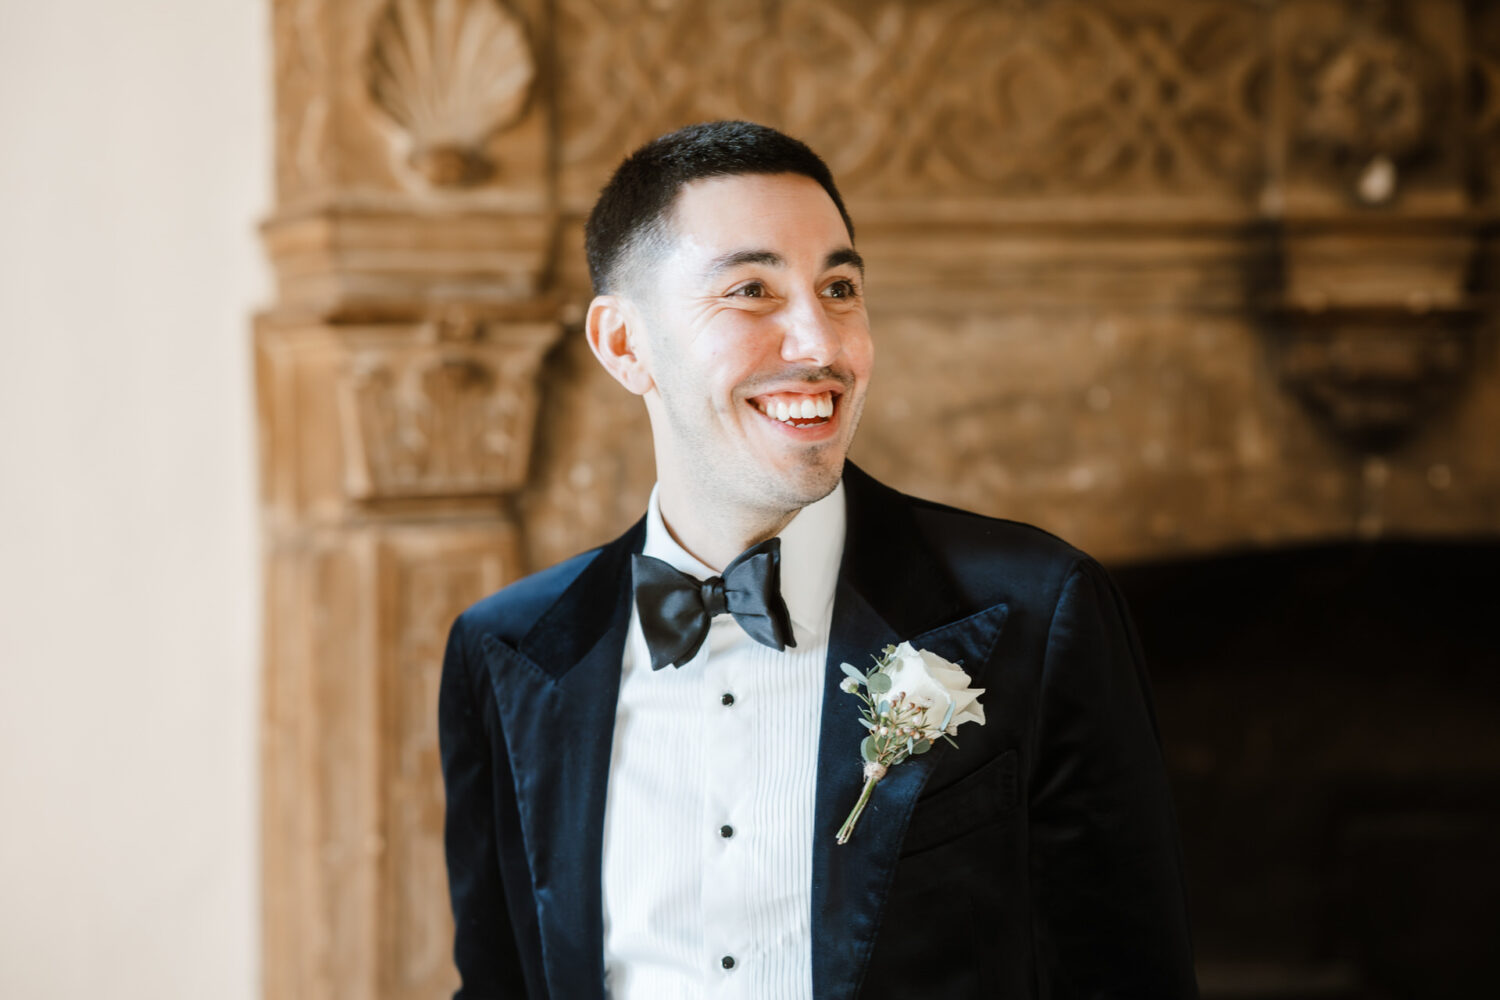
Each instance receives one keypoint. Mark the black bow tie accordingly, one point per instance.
(676, 608)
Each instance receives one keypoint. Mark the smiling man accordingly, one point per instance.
(646, 750)
(743, 327)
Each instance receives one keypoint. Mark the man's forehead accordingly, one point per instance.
(749, 218)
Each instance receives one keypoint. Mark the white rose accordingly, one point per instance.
(932, 682)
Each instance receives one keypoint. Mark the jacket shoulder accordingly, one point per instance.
(509, 613)
(953, 530)
(993, 532)
(995, 555)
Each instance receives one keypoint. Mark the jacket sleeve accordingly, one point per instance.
(1109, 907)
(484, 944)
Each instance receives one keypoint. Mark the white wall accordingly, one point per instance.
(134, 164)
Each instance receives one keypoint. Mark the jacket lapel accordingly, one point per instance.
(556, 693)
(890, 589)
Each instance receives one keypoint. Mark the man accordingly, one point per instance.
(644, 790)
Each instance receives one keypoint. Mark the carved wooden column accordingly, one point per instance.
(397, 396)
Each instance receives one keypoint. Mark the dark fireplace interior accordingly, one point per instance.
(1331, 720)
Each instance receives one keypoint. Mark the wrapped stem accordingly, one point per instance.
(873, 773)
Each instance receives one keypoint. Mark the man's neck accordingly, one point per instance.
(712, 536)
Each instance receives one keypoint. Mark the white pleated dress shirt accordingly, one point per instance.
(708, 818)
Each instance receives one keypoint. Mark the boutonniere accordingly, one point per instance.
(912, 698)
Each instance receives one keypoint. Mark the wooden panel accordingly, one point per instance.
(427, 577)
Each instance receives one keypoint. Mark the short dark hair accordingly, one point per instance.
(630, 216)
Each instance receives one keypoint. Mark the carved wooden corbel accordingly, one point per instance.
(1374, 374)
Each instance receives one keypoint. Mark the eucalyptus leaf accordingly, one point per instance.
(922, 746)
(879, 683)
(846, 668)
(884, 708)
(867, 723)
(867, 748)
(947, 716)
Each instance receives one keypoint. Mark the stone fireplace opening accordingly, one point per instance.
(1331, 720)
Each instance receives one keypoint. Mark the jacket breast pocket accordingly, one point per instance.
(968, 804)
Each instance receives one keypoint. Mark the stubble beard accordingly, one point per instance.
(743, 489)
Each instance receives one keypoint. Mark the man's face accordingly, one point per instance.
(757, 343)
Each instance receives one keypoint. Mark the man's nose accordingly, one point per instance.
(809, 334)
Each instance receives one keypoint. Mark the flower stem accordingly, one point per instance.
(847, 829)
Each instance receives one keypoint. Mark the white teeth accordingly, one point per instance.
(807, 408)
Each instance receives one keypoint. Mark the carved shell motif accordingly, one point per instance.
(451, 73)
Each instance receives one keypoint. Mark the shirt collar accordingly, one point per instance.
(812, 544)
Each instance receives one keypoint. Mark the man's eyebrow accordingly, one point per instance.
(848, 255)
(739, 258)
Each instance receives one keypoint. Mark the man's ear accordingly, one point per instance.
(613, 328)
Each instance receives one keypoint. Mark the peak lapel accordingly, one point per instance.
(891, 588)
(556, 693)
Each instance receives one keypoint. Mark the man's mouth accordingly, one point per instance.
(796, 409)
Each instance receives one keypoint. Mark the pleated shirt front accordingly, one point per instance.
(708, 818)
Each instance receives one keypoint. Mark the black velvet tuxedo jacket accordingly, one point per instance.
(1038, 859)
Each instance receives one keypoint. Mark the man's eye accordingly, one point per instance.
(841, 289)
(752, 290)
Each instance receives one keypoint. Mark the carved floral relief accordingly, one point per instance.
(1369, 95)
(937, 98)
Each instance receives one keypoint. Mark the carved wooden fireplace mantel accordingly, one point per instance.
(1168, 277)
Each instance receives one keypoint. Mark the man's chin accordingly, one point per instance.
(809, 482)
